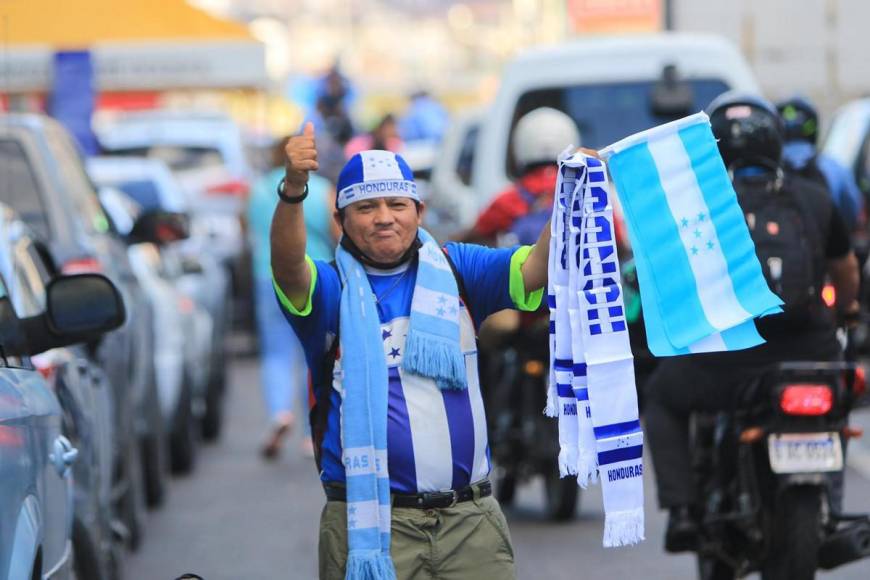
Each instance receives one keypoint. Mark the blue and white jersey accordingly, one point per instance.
(436, 439)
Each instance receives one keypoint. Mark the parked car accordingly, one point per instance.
(52, 194)
(183, 355)
(206, 152)
(36, 489)
(190, 264)
(85, 398)
(611, 87)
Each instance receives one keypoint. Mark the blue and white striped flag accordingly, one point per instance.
(700, 281)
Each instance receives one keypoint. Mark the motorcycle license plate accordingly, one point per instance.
(805, 452)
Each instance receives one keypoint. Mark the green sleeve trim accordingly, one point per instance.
(285, 302)
(527, 302)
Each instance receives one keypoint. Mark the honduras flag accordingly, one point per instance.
(700, 281)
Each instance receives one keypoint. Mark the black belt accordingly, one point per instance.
(425, 500)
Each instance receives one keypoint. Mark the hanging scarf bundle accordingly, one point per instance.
(592, 371)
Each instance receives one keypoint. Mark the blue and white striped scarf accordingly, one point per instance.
(432, 349)
(592, 389)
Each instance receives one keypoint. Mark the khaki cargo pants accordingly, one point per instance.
(467, 541)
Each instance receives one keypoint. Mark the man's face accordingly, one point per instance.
(384, 227)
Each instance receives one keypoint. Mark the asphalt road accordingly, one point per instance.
(239, 518)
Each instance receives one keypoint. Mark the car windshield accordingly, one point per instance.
(19, 187)
(177, 157)
(143, 191)
(605, 113)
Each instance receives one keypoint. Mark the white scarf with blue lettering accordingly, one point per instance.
(592, 389)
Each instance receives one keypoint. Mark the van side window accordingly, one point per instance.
(19, 187)
(465, 161)
(606, 112)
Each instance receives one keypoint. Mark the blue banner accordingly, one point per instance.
(73, 98)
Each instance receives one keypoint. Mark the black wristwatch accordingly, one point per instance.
(288, 199)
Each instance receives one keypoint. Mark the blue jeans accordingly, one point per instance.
(283, 372)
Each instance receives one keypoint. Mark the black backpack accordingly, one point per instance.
(788, 241)
(318, 415)
(809, 171)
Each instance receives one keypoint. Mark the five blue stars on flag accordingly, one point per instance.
(701, 227)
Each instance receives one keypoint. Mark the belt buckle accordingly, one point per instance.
(455, 498)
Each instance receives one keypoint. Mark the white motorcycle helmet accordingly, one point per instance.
(541, 135)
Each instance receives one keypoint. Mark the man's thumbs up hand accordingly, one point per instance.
(300, 158)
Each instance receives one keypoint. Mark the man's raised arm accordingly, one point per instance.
(288, 224)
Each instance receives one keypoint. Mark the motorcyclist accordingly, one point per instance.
(538, 138)
(750, 135)
(799, 154)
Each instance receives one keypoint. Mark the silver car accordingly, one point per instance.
(36, 459)
(191, 264)
(183, 353)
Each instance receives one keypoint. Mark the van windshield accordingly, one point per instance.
(605, 113)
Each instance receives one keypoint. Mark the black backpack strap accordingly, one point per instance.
(460, 284)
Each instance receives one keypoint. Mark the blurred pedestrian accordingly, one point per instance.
(337, 87)
(425, 120)
(334, 129)
(384, 137)
(398, 422)
(282, 361)
(799, 153)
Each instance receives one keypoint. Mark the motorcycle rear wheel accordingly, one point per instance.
(562, 495)
(794, 547)
(713, 569)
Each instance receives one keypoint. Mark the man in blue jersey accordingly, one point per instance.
(441, 518)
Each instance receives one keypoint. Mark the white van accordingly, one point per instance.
(611, 87)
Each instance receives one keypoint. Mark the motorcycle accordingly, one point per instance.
(768, 474)
(524, 442)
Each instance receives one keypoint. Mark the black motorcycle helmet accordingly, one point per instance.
(748, 129)
(800, 118)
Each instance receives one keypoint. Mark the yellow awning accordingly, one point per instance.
(81, 23)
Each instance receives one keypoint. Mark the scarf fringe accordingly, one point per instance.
(623, 528)
(552, 408)
(587, 469)
(369, 565)
(567, 461)
(437, 358)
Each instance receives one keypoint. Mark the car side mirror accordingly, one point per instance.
(83, 305)
(160, 227)
(79, 308)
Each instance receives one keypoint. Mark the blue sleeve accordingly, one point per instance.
(485, 274)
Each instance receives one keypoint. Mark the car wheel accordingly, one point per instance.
(155, 464)
(86, 561)
(131, 505)
(183, 438)
(212, 420)
(154, 467)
